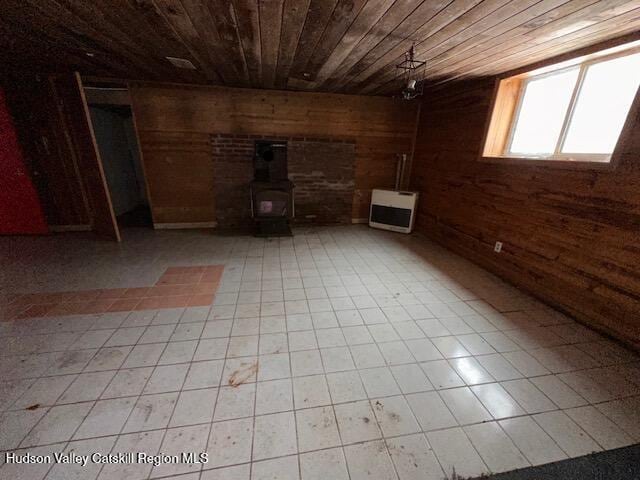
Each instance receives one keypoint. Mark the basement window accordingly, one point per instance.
(574, 111)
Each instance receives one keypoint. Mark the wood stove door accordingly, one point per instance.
(272, 203)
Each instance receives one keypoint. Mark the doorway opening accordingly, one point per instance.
(118, 146)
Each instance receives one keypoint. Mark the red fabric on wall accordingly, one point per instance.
(20, 209)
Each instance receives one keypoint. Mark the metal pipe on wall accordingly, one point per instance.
(400, 167)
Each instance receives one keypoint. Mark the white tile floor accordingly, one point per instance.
(355, 354)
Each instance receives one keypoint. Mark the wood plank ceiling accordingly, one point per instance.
(348, 46)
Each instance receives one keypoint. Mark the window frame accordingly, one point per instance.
(503, 154)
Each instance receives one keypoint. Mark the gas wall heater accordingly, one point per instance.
(393, 210)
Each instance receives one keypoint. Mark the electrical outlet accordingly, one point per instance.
(498, 247)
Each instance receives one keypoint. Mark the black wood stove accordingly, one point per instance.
(272, 203)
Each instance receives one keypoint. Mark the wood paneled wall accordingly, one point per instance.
(571, 236)
(174, 122)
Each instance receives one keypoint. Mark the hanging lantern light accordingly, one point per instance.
(411, 73)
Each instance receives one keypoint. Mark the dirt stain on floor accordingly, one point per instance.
(70, 359)
(148, 410)
(241, 375)
(394, 416)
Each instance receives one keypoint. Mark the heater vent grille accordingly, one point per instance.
(398, 217)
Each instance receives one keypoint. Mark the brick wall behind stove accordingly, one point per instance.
(232, 171)
(321, 169)
(323, 172)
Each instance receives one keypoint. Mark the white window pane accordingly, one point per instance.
(544, 106)
(603, 105)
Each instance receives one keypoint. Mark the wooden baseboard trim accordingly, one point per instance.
(179, 226)
(359, 220)
(69, 228)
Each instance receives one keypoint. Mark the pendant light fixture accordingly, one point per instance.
(411, 74)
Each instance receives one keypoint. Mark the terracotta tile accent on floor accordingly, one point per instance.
(177, 287)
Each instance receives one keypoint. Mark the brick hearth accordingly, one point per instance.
(322, 170)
